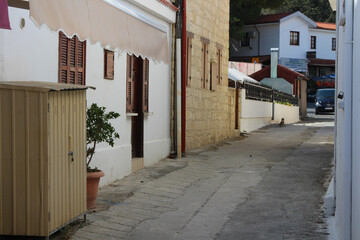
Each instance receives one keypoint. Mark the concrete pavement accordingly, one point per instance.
(267, 185)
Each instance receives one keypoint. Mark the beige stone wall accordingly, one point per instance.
(210, 115)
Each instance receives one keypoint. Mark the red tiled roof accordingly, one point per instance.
(327, 26)
(169, 5)
(271, 18)
(283, 72)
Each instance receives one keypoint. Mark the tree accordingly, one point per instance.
(317, 10)
(243, 11)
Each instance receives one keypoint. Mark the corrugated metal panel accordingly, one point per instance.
(42, 86)
(41, 188)
(67, 177)
(23, 162)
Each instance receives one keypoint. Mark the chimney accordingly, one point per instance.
(274, 62)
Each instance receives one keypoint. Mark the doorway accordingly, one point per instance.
(137, 120)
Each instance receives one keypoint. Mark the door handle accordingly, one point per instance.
(71, 153)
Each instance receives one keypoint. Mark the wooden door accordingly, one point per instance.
(137, 121)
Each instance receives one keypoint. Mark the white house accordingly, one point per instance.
(137, 86)
(347, 128)
(301, 42)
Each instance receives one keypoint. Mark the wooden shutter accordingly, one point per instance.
(203, 66)
(71, 60)
(219, 67)
(108, 64)
(145, 86)
(188, 62)
(130, 84)
(206, 68)
(213, 76)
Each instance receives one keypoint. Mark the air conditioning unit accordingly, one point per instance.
(253, 34)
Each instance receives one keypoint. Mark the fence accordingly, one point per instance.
(263, 93)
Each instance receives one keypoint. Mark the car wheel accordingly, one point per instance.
(316, 112)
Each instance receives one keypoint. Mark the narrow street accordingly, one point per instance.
(268, 184)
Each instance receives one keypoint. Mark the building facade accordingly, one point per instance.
(32, 53)
(210, 104)
(304, 45)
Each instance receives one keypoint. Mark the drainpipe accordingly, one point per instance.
(178, 85)
(183, 77)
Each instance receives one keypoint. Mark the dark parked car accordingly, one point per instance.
(325, 100)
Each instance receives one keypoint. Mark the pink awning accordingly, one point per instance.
(109, 22)
(4, 15)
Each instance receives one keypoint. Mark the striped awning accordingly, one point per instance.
(109, 22)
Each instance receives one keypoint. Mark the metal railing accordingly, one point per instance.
(267, 94)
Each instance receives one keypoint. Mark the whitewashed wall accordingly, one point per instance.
(268, 39)
(31, 54)
(323, 43)
(289, 113)
(290, 51)
(257, 114)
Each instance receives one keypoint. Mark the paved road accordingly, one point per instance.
(267, 185)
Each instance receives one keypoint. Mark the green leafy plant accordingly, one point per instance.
(98, 130)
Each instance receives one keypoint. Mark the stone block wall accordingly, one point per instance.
(210, 115)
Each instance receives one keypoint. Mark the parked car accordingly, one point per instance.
(324, 100)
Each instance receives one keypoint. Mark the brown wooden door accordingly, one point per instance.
(137, 122)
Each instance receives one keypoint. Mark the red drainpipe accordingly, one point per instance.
(183, 79)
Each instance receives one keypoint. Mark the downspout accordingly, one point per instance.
(257, 30)
(183, 77)
(178, 84)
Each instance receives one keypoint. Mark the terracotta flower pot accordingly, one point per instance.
(93, 179)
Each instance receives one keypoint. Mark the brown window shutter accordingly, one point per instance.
(213, 76)
(63, 58)
(130, 84)
(206, 68)
(188, 62)
(71, 60)
(81, 59)
(202, 65)
(219, 72)
(108, 64)
(146, 86)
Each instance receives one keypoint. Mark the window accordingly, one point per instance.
(333, 44)
(294, 38)
(137, 84)
(313, 42)
(219, 64)
(71, 60)
(245, 41)
(204, 62)
(188, 61)
(108, 64)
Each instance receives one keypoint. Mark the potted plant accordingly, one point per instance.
(98, 130)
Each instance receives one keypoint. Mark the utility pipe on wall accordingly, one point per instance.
(178, 84)
(183, 77)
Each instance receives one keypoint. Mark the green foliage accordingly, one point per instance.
(243, 11)
(99, 129)
(317, 10)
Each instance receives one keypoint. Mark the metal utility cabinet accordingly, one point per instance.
(43, 156)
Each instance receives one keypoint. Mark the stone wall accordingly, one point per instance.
(210, 115)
